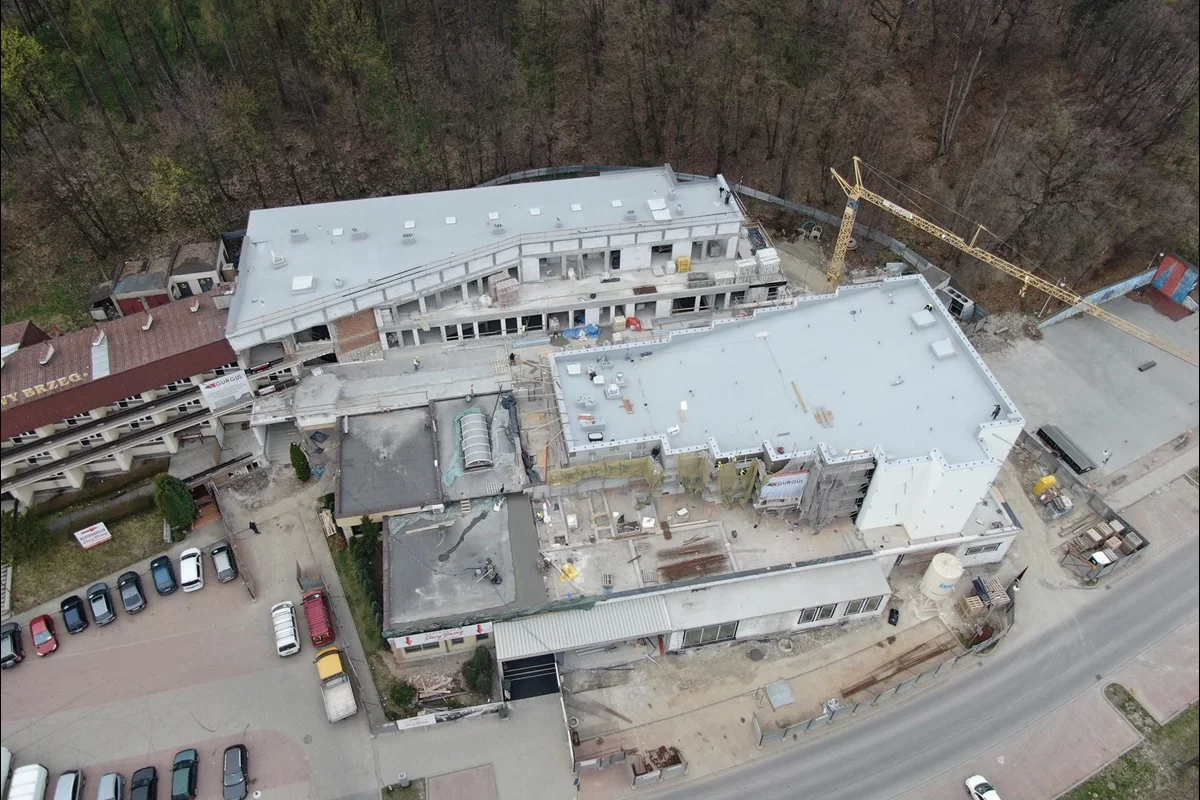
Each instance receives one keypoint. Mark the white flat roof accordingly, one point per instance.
(763, 595)
(884, 377)
(357, 247)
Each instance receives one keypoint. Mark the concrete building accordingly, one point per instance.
(191, 269)
(384, 273)
(92, 402)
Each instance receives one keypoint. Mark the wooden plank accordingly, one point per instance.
(799, 397)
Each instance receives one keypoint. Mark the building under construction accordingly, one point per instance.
(869, 405)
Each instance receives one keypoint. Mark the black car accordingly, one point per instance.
(223, 562)
(12, 652)
(144, 785)
(74, 615)
(164, 575)
(100, 602)
(183, 775)
(234, 785)
(129, 586)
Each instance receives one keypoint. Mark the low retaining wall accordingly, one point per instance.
(1119, 289)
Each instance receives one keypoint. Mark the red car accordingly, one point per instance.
(42, 630)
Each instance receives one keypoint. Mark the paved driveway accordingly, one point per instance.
(192, 670)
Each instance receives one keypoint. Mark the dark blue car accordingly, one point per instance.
(163, 575)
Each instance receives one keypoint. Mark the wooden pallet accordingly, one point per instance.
(824, 416)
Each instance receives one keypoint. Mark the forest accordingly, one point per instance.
(1068, 127)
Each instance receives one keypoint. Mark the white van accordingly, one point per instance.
(287, 635)
(29, 783)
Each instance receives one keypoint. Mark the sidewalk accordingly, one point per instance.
(1156, 469)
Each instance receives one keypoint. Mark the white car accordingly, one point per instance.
(191, 569)
(979, 789)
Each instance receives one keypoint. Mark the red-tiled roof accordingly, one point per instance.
(22, 333)
(179, 343)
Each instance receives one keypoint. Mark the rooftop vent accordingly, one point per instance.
(149, 322)
(277, 261)
(451, 220)
(671, 194)
(408, 237)
(497, 227)
(630, 214)
(576, 207)
(558, 222)
(303, 283)
(98, 339)
(298, 235)
(337, 282)
(409, 224)
(493, 215)
(616, 204)
(337, 231)
(195, 306)
(49, 354)
(943, 348)
(358, 233)
(535, 212)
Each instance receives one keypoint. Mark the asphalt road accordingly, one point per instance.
(915, 740)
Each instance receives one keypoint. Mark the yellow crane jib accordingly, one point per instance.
(856, 192)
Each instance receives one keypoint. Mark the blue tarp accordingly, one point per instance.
(586, 332)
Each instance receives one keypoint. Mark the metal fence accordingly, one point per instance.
(768, 735)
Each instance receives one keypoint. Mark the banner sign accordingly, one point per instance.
(414, 639)
(93, 535)
(225, 390)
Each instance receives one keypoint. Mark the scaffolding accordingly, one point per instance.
(694, 472)
(645, 468)
(736, 482)
(836, 489)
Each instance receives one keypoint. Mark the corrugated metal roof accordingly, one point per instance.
(607, 621)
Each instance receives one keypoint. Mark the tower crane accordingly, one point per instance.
(856, 193)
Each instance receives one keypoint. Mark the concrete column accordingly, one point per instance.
(24, 495)
(545, 322)
(218, 430)
(150, 396)
(260, 434)
(729, 299)
(59, 453)
(45, 431)
(295, 369)
(416, 335)
(443, 330)
(74, 476)
(466, 291)
(98, 413)
(7, 471)
(172, 442)
(110, 435)
(159, 417)
(421, 303)
(124, 459)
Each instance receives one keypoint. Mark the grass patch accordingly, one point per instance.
(66, 566)
(1157, 769)
(415, 791)
(360, 604)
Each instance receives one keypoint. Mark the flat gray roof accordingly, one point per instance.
(746, 383)
(362, 243)
(387, 463)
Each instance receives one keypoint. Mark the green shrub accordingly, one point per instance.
(403, 694)
(174, 501)
(23, 535)
(478, 671)
(300, 463)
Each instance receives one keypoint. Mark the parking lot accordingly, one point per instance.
(195, 670)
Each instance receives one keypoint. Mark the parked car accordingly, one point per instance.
(184, 767)
(234, 786)
(980, 789)
(70, 785)
(129, 586)
(100, 601)
(74, 615)
(224, 562)
(164, 575)
(12, 652)
(287, 634)
(144, 785)
(111, 787)
(41, 630)
(191, 569)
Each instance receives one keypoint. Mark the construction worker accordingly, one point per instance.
(996, 411)
(929, 306)
(416, 364)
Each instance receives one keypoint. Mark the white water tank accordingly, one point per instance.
(941, 577)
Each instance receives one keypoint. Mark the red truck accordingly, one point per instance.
(320, 621)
